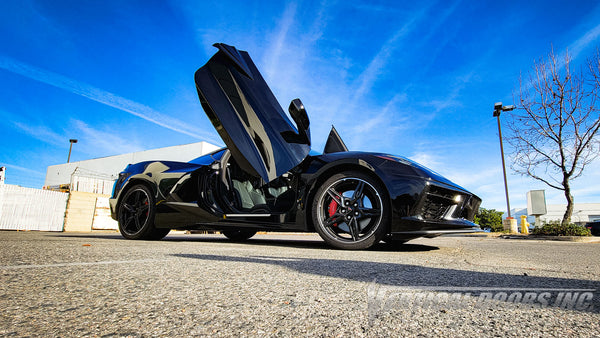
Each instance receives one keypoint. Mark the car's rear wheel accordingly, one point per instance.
(351, 211)
(238, 234)
(136, 214)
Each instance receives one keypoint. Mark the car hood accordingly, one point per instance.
(247, 116)
(422, 170)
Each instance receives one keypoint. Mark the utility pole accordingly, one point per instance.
(498, 108)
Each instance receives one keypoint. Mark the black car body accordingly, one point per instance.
(594, 227)
(268, 179)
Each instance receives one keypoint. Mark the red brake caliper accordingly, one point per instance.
(332, 209)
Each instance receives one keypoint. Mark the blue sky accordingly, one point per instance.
(413, 78)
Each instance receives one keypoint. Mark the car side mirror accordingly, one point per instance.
(298, 114)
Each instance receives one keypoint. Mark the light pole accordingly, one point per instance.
(498, 108)
(71, 147)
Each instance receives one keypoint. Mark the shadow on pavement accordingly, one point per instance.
(281, 241)
(87, 235)
(396, 278)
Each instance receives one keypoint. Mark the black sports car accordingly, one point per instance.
(594, 228)
(268, 179)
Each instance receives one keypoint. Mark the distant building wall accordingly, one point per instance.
(102, 172)
(582, 213)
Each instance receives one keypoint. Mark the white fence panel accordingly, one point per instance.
(31, 209)
(92, 184)
(102, 219)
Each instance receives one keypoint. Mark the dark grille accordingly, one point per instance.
(441, 192)
(438, 201)
(470, 208)
(433, 210)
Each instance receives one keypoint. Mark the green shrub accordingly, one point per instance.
(489, 218)
(555, 228)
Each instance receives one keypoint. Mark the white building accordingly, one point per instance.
(98, 175)
(582, 213)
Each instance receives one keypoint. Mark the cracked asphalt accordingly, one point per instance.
(98, 284)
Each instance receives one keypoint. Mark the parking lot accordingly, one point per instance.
(98, 284)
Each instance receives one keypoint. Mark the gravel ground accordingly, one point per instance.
(98, 284)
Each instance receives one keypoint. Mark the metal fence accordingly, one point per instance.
(90, 181)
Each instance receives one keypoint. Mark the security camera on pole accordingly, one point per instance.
(71, 141)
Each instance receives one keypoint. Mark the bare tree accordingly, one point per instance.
(554, 131)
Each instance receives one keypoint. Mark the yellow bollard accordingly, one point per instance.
(524, 225)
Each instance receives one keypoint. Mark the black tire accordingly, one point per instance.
(351, 211)
(238, 235)
(390, 240)
(159, 233)
(136, 215)
(393, 244)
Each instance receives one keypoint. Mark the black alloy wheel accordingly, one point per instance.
(136, 215)
(351, 211)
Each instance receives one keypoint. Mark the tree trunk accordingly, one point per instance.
(567, 216)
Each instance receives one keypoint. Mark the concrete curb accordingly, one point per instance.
(476, 234)
(580, 239)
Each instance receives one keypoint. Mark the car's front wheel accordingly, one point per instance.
(351, 211)
(136, 214)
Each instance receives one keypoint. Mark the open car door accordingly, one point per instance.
(247, 116)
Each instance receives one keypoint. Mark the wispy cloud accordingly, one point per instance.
(322, 84)
(450, 100)
(368, 77)
(101, 96)
(440, 44)
(369, 6)
(320, 22)
(23, 170)
(42, 133)
(584, 41)
(94, 142)
(278, 43)
(427, 159)
(379, 61)
(102, 143)
(587, 39)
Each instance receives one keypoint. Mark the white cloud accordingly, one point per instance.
(42, 133)
(23, 170)
(103, 143)
(101, 96)
(93, 142)
(368, 77)
(426, 159)
(584, 41)
(475, 176)
(279, 42)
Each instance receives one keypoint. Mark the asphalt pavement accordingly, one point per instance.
(98, 284)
